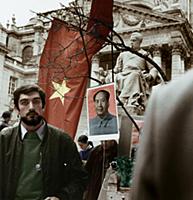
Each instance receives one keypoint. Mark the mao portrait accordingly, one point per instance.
(103, 109)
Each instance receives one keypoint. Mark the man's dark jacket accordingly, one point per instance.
(3, 125)
(63, 175)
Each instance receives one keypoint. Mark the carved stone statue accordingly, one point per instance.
(134, 75)
(102, 75)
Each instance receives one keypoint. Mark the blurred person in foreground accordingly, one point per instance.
(6, 117)
(163, 168)
(38, 161)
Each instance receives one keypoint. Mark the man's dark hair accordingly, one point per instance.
(6, 114)
(106, 93)
(26, 89)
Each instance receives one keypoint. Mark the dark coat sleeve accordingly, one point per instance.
(77, 176)
(64, 172)
(1, 169)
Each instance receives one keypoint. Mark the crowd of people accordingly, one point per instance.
(39, 161)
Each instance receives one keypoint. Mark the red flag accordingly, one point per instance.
(64, 68)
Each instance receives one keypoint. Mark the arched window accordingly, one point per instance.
(27, 54)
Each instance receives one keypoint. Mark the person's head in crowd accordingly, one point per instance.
(83, 142)
(6, 116)
(101, 102)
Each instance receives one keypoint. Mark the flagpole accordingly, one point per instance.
(112, 59)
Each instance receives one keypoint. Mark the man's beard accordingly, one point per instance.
(32, 121)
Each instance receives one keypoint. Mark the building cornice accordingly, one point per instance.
(21, 70)
(158, 16)
(19, 67)
(3, 49)
(157, 27)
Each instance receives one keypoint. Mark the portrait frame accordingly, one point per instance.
(91, 113)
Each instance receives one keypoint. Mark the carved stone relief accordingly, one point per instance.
(131, 20)
(128, 19)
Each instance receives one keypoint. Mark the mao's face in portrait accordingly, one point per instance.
(101, 104)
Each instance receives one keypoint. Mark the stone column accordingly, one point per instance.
(38, 43)
(94, 70)
(191, 60)
(38, 37)
(183, 63)
(177, 66)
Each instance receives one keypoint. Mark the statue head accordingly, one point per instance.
(136, 39)
(101, 70)
(137, 36)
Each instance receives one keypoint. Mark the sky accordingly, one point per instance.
(21, 9)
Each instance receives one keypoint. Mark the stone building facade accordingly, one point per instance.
(166, 26)
(166, 30)
(20, 50)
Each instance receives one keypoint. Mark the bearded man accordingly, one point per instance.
(38, 161)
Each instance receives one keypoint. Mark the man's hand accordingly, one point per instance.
(51, 198)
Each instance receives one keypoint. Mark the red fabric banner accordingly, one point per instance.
(64, 67)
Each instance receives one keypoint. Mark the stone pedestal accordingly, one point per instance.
(110, 190)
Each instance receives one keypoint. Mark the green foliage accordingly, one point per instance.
(125, 170)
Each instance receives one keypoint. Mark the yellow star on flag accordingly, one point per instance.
(60, 90)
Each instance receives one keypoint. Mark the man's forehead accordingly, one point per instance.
(30, 95)
(100, 95)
